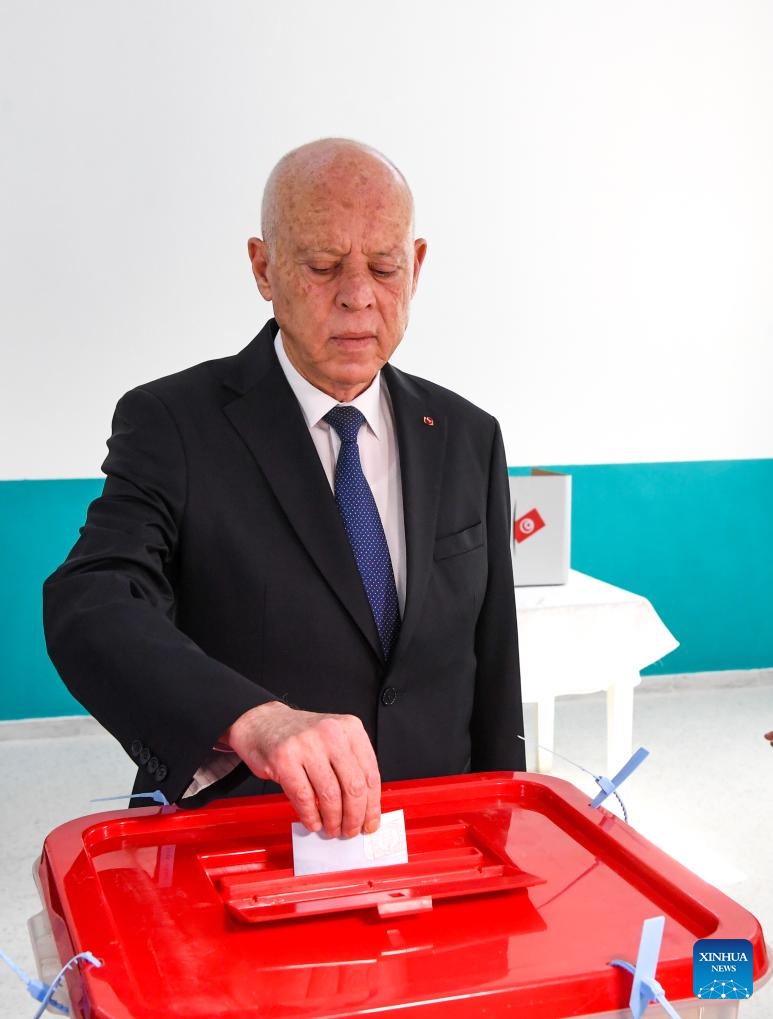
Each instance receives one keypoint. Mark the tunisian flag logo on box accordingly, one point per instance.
(527, 525)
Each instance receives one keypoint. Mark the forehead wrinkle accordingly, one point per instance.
(376, 230)
(329, 200)
(395, 254)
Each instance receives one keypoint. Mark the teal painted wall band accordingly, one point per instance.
(39, 524)
(695, 538)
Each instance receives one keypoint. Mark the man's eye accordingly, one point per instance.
(382, 274)
(322, 270)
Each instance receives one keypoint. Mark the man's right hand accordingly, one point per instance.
(325, 764)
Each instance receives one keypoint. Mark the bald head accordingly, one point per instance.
(338, 261)
(316, 168)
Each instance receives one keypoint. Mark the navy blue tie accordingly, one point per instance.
(363, 526)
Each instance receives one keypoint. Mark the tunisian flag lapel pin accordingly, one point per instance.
(429, 421)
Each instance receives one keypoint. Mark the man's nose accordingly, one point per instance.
(355, 291)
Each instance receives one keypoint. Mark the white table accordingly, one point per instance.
(581, 637)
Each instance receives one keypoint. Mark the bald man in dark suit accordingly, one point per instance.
(216, 614)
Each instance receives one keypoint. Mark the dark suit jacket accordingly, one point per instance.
(214, 574)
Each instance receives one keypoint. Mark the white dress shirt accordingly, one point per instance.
(379, 455)
(380, 461)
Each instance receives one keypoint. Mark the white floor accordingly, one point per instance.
(705, 795)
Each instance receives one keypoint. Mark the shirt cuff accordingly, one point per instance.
(215, 768)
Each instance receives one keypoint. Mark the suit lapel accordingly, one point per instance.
(421, 439)
(267, 417)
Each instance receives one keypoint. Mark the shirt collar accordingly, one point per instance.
(315, 404)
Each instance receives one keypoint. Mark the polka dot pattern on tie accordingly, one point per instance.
(363, 526)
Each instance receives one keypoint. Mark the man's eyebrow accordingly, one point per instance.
(311, 251)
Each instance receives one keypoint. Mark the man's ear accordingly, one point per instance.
(256, 249)
(419, 251)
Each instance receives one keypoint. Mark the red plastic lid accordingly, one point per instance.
(515, 898)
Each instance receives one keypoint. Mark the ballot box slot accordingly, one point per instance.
(412, 886)
(447, 858)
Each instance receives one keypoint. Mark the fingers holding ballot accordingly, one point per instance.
(325, 763)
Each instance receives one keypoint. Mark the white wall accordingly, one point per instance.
(594, 179)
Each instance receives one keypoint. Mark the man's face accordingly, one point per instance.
(341, 272)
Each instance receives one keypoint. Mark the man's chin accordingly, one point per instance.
(351, 380)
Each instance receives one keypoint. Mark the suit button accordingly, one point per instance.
(152, 765)
(388, 696)
(161, 772)
(136, 748)
(144, 756)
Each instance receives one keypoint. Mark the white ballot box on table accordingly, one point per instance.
(541, 504)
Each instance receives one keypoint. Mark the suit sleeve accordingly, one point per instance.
(109, 610)
(497, 717)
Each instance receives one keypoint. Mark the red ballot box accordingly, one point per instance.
(516, 897)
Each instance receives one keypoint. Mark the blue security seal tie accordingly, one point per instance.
(157, 796)
(44, 993)
(608, 786)
(645, 987)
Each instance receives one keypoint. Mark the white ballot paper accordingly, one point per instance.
(318, 853)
